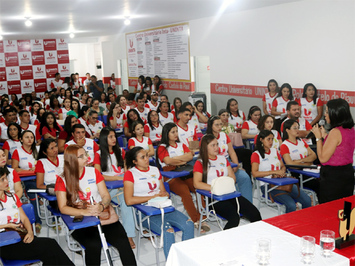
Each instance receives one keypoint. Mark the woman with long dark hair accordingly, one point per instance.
(116, 117)
(110, 161)
(269, 97)
(336, 152)
(236, 116)
(165, 116)
(40, 113)
(250, 126)
(138, 138)
(311, 104)
(34, 111)
(132, 115)
(267, 122)
(266, 162)
(54, 106)
(49, 127)
(280, 103)
(13, 143)
(62, 114)
(200, 106)
(74, 190)
(210, 166)
(157, 85)
(15, 185)
(153, 129)
(176, 107)
(66, 134)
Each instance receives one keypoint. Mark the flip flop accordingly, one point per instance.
(38, 228)
(131, 242)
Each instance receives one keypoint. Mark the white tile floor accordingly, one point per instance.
(147, 255)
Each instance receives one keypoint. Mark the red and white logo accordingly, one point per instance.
(2, 60)
(40, 85)
(11, 59)
(51, 70)
(63, 57)
(2, 74)
(12, 73)
(14, 87)
(39, 72)
(38, 58)
(50, 57)
(10, 46)
(25, 58)
(64, 70)
(24, 45)
(37, 45)
(27, 86)
(62, 44)
(26, 72)
(131, 49)
(49, 44)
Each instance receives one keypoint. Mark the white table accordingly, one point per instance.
(238, 246)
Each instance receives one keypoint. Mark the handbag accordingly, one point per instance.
(286, 188)
(222, 185)
(169, 168)
(22, 231)
(50, 189)
(108, 216)
(236, 139)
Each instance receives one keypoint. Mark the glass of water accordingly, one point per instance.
(327, 242)
(263, 253)
(307, 249)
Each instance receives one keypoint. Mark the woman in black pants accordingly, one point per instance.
(209, 166)
(74, 190)
(30, 248)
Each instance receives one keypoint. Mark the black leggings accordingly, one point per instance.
(115, 235)
(45, 249)
(228, 210)
(244, 156)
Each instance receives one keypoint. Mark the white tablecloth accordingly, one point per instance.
(238, 246)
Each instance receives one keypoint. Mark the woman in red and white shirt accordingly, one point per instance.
(12, 216)
(49, 128)
(91, 185)
(267, 122)
(139, 140)
(200, 106)
(266, 162)
(122, 100)
(237, 117)
(164, 115)
(15, 185)
(116, 117)
(62, 114)
(311, 105)
(13, 143)
(210, 166)
(270, 96)
(279, 105)
(153, 128)
(250, 127)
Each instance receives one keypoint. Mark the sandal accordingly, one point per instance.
(38, 228)
(205, 227)
(202, 230)
(131, 242)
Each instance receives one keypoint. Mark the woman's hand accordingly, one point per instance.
(317, 131)
(279, 174)
(94, 210)
(28, 238)
(13, 226)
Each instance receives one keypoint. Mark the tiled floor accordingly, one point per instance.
(147, 256)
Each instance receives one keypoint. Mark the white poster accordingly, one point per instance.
(161, 51)
(12, 73)
(50, 57)
(27, 86)
(39, 72)
(25, 59)
(3, 87)
(37, 45)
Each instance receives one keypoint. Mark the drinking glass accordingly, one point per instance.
(307, 249)
(263, 253)
(327, 242)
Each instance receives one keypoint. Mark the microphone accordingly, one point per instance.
(321, 123)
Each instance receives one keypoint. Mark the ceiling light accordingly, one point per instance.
(71, 35)
(127, 21)
(28, 22)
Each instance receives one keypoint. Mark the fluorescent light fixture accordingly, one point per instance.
(71, 35)
(28, 22)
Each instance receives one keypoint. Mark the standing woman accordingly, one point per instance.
(280, 103)
(210, 166)
(237, 117)
(74, 189)
(267, 122)
(336, 152)
(250, 127)
(13, 216)
(25, 158)
(13, 143)
(116, 117)
(143, 182)
(109, 161)
(153, 128)
(164, 113)
(243, 181)
(267, 163)
(311, 105)
(270, 96)
(15, 185)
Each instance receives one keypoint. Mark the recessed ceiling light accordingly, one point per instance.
(28, 22)
(127, 21)
(71, 35)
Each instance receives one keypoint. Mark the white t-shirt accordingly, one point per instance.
(280, 103)
(151, 106)
(144, 113)
(217, 167)
(171, 151)
(251, 126)
(49, 169)
(32, 128)
(155, 133)
(112, 168)
(309, 110)
(168, 119)
(237, 121)
(144, 143)
(25, 159)
(10, 212)
(296, 150)
(90, 147)
(271, 161)
(64, 111)
(185, 136)
(195, 123)
(3, 131)
(223, 141)
(268, 99)
(13, 178)
(92, 130)
(12, 145)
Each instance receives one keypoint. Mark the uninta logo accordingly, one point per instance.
(62, 40)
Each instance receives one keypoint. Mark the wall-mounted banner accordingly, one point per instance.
(163, 51)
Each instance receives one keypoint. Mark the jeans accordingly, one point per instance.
(244, 185)
(31, 184)
(288, 199)
(126, 213)
(176, 219)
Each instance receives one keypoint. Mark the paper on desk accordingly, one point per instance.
(316, 171)
(36, 190)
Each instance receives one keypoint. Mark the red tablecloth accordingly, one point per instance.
(312, 220)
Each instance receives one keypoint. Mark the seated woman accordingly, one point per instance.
(54, 106)
(132, 115)
(75, 108)
(200, 106)
(66, 134)
(226, 126)
(122, 101)
(153, 128)
(74, 188)
(138, 190)
(25, 158)
(139, 140)
(102, 102)
(236, 116)
(211, 165)
(49, 164)
(109, 160)
(243, 181)
(116, 117)
(34, 112)
(96, 107)
(13, 143)
(266, 162)
(175, 107)
(49, 128)
(250, 127)
(164, 113)
(171, 152)
(12, 216)
(267, 122)
(40, 113)
(296, 151)
(15, 185)
(94, 125)
(62, 114)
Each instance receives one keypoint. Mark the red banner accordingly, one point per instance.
(49, 44)
(24, 45)
(14, 87)
(259, 91)
(51, 70)
(11, 59)
(2, 74)
(171, 85)
(63, 56)
(26, 72)
(40, 85)
(38, 58)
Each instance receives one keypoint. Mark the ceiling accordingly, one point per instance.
(94, 18)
